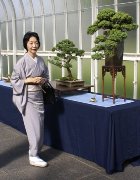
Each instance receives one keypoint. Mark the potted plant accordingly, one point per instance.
(65, 53)
(109, 44)
(7, 78)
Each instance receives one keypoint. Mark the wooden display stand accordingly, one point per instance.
(113, 71)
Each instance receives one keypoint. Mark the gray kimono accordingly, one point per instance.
(30, 103)
(25, 68)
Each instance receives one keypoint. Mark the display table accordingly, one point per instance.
(107, 136)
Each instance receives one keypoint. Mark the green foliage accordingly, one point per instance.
(114, 26)
(66, 51)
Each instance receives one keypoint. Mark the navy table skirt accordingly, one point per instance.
(106, 136)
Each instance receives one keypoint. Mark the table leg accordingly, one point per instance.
(89, 89)
(113, 88)
(124, 89)
(103, 88)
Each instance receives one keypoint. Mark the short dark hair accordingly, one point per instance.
(27, 36)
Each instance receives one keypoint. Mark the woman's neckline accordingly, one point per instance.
(34, 59)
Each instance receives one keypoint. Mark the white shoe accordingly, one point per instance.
(36, 161)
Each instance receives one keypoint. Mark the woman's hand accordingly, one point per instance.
(35, 80)
(43, 80)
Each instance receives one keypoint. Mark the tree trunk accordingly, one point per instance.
(69, 74)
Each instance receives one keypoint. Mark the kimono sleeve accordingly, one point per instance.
(17, 79)
(46, 71)
(19, 88)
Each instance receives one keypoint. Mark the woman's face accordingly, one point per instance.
(32, 46)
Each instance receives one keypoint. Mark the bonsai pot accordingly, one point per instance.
(70, 84)
(117, 58)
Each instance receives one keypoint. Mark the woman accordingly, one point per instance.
(28, 75)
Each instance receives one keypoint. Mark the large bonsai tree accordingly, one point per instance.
(66, 52)
(114, 26)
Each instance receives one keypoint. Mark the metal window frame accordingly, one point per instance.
(134, 57)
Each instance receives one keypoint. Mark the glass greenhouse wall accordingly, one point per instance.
(55, 20)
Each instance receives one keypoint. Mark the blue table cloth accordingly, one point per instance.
(107, 136)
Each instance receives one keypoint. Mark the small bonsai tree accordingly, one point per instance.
(7, 78)
(114, 26)
(66, 51)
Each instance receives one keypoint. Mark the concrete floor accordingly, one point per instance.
(14, 163)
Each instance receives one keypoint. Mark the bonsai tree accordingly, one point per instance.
(114, 26)
(7, 78)
(66, 51)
